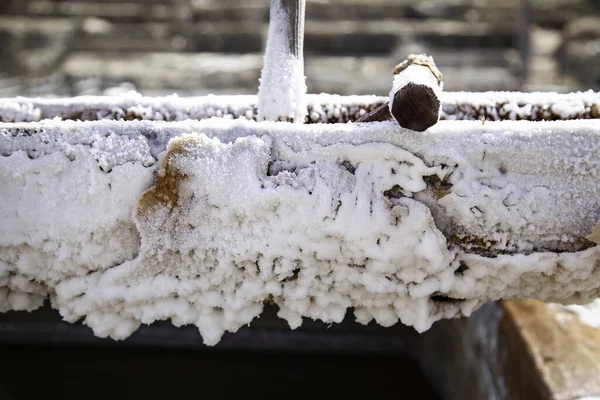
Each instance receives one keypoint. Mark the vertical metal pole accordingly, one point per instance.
(282, 90)
(525, 22)
(295, 25)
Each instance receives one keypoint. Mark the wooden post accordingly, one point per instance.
(282, 90)
(415, 96)
(381, 113)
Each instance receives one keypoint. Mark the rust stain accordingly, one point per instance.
(165, 191)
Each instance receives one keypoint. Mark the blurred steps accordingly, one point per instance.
(183, 73)
(158, 10)
(350, 45)
(344, 37)
(258, 10)
(547, 14)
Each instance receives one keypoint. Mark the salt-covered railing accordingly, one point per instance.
(203, 222)
(322, 108)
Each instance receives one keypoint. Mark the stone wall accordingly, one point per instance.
(71, 47)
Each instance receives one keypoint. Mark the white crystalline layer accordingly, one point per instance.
(157, 108)
(16, 111)
(316, 219)
(282, 89)
(66, 217)
(324, 107)
(517, 106)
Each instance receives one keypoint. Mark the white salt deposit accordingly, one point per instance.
(321, 107)
(282, 89)
(518, 106)
(395, 224)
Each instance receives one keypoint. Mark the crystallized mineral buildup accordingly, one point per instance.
(321, 108)
(282, 90)
(202, 222)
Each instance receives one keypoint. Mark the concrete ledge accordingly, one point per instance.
(547, 354)
(201, 222)
(322, 108)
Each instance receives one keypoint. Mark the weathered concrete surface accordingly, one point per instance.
(547, 358)
(513, 350)
(397, 225)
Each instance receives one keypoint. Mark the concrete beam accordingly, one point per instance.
(202, 222)
(322, 108)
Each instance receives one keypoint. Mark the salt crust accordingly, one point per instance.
(396, 225)
(330, 108)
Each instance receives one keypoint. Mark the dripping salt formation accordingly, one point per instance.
(200, 222)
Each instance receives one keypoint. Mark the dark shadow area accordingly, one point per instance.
(43, 357)
(76, 372)
(268, 334)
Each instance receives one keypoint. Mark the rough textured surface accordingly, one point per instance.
(546, 357)
(496, 106)
(282, 89)
(322, 108)
(316, 219)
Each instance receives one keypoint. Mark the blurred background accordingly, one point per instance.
(194, 47)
